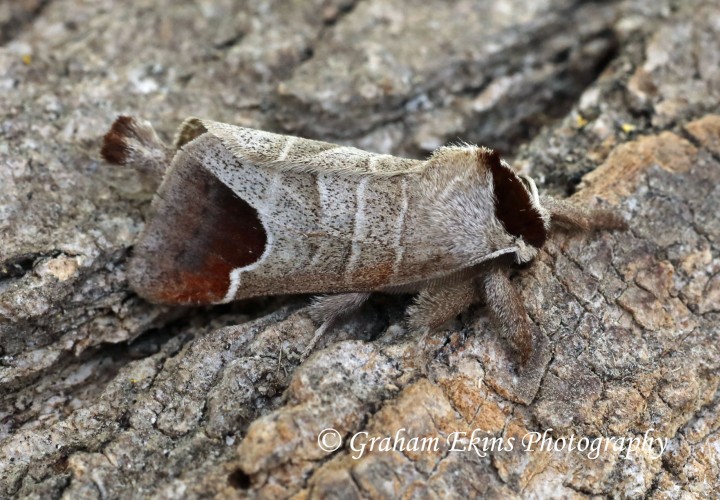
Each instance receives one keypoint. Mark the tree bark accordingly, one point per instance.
(614, 104)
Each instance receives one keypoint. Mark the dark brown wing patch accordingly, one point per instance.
(200, 231)
(513, 206)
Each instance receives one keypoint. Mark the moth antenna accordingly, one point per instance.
(133, 142)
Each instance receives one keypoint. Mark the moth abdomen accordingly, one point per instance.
(115, 147)
(133, 142)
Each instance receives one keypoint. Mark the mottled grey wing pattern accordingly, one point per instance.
(329, 228)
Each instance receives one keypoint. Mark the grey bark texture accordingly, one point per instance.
(103, 395)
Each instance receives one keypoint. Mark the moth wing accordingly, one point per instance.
(294, 154)
(251, 225)
(198, 231)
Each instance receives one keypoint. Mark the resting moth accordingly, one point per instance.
(242, 213)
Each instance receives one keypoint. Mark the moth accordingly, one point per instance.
(242, 213)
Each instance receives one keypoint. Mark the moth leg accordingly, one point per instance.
(570, 216)
(330, 309)
(438, 304)
(508, 310)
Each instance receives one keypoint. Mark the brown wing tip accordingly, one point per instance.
(115, 147)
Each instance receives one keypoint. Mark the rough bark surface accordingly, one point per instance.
(103, 395)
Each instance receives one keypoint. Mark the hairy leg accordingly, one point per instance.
(329, 310)
(508, 311)
(570, 216)
(439, 303)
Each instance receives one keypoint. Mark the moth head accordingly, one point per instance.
(517, 206)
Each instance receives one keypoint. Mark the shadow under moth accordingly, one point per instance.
(242, 213)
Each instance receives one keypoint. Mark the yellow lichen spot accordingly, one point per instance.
(580, 121)
(26, 59)
(628, 127)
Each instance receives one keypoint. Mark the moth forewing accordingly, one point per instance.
(198, 233)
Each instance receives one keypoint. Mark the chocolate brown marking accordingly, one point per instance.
(205, 231)
(513, 206)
